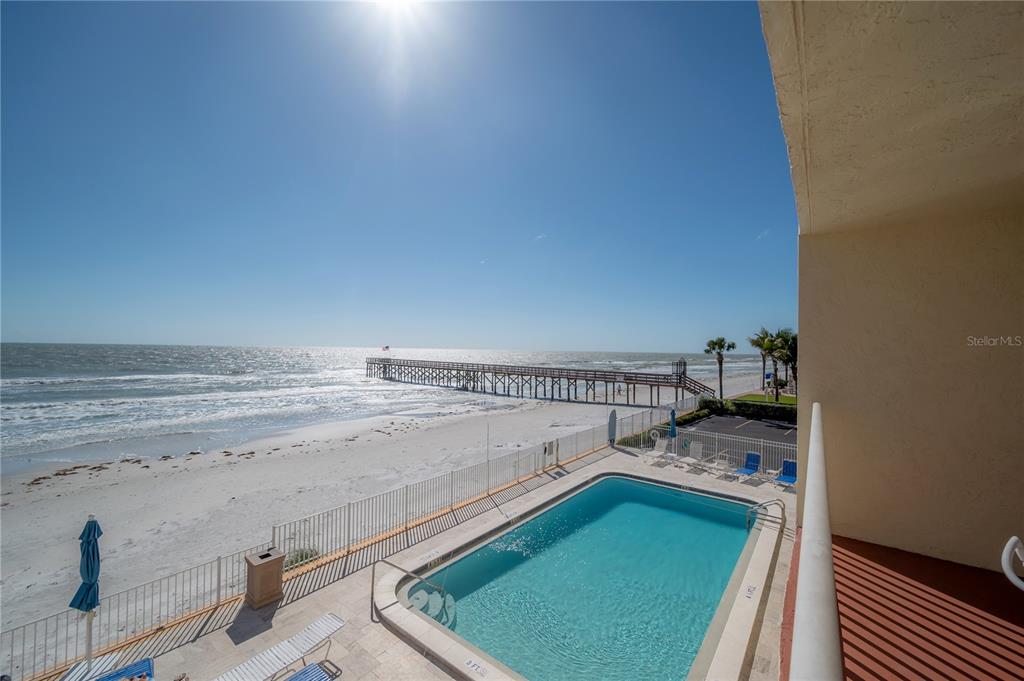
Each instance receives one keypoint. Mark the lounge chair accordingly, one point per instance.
(664, 447)
(100, 666)
(701, 464)
(276, 659)
(752, 465)
(788, 475)
(312, 672)
(134, 670)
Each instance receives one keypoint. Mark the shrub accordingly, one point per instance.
(716, 406)
(751, 410)
(299, 556)
(635, 440)
(687, 419)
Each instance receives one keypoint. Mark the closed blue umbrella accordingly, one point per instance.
(88, 595)
(672, 424)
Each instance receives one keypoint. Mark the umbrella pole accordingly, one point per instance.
(88, 640)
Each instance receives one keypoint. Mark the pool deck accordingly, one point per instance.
(364, 649)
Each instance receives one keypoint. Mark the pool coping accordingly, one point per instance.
(733, 649)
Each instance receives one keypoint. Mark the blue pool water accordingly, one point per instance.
(617, 582)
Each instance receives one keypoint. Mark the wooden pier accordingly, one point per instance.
(538, 382)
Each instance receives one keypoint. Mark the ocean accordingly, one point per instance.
(73, 403)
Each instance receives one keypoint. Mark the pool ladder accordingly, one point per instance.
(752, 510)
(373, 580)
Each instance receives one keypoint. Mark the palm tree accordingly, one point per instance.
(757, 341)
(778, 347)
(787, 354)
(784, 336)
(719, 346)
(772, 345)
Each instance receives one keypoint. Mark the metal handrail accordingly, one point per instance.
(373, 581)
(1013, 546)
(765, 504)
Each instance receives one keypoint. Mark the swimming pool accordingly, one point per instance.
(619, 581)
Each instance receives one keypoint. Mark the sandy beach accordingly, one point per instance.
(160, 515)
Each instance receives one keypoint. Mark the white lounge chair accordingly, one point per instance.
(100, 666)
(280, 657)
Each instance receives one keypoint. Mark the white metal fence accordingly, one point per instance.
(53, 642)
(716, 448)
(731, 450)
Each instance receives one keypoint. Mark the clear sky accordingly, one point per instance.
(530, 176)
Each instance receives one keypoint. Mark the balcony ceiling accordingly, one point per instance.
(895, 111)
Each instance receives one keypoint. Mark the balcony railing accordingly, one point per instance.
(817, 655)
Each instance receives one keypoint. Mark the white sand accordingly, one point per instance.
(161, 516)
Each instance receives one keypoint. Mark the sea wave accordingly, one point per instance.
(54, 397)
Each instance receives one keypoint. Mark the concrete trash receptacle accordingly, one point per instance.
(263, 578)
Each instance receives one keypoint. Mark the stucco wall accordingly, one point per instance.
(924, 434)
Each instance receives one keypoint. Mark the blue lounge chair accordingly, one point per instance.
(313, 672)
(752, 465)
(788, 474)
(131, 671)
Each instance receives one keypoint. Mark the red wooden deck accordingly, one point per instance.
(907, 616)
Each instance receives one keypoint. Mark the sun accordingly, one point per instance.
(398, 10)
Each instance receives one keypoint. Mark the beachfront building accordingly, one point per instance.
(904, 123)
(904, 127)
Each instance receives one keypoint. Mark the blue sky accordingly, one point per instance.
(531, 176)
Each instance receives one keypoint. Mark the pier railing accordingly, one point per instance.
(47, 646)
(599, 376)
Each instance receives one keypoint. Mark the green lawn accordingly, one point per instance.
(758, 397)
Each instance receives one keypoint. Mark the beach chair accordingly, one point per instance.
(664, 450)
(134, 670)
(664, 446)
(278, 658)
(752, 465)
(788, 475)
(700, 465)
(312, 672)
(100, 666)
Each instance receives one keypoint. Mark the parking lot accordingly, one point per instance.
(744, 427)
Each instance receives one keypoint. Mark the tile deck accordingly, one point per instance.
(206, 646)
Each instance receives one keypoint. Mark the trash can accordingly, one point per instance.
(263, 578)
